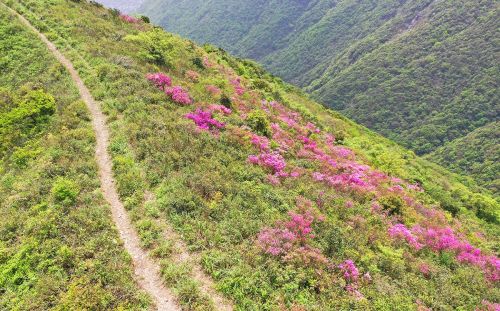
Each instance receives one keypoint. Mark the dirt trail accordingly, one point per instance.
(183, 255)
(146, 270)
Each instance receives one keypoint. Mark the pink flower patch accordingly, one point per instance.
(160, 80)
(213, 90)
(179, 95)
(220, 108)
(239, 89)
(204, 120)
(129, 19)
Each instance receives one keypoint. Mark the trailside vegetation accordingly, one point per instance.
(58, 247)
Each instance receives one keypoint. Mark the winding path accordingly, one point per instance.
(146, 270)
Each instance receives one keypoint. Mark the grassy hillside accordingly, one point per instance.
(287, 204)
(422, 73)
(58, 248)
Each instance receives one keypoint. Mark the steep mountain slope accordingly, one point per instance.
(285, 204)
(477, 154)
(58, 246)
(422, 73)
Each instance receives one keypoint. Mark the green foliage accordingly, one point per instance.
(155, 46)
(25, 120)
(477, 154)
(65, 191)
(257, 120)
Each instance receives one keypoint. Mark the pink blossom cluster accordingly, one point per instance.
(204, 120)
(213, 90)
(219, 108)
(400, 231)
(445, 239)
(424, 269)
(339, 170)
(276, 241)
(160, 80)
(343, 152)
(283, 138)
(207, 63)
(313, 128)
(271, 160)
(192, 75)
(179, 95)
(300, 224)
(129, 19)
(349, 270)
(415, 187)
(351, 275)
(488, 306)
(239, 89)
(344, 181)
(289, 120)
(261, 142)
(292, 235)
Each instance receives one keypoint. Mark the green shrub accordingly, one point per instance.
(392, 204)
(65, 191)
(257, 120)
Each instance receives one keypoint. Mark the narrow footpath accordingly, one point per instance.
(146, 270)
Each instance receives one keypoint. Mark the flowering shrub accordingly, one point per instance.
(276, 241)
(424, 269)
(444, 239)
(219, 108)
(237, 86)
(300, 225)
(179, 95)
(213, 90)
(207, 63)
(204, 120)
(273, 161)
(192, 75)
(129, 19)
(349, 270)
(160, 80)
(351, 274)
(343, 152)
(489, 306)
(293, 235)
(260, 142)
(399, 231)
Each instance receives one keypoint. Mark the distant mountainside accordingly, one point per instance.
(126, 6)
(477, 154)
(422, 73)
(226, 176)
